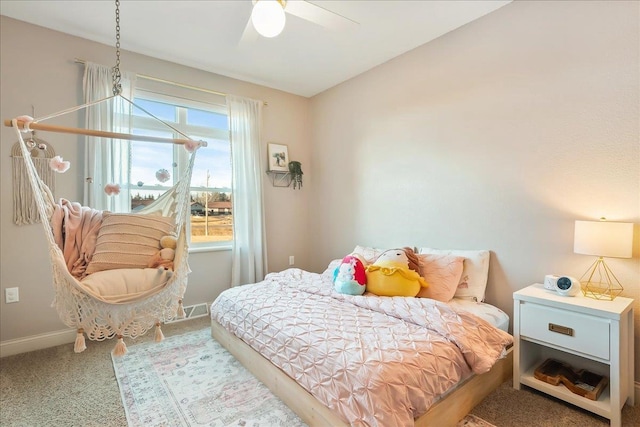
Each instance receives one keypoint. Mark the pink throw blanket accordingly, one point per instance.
(75, 230)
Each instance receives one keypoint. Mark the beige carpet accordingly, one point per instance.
(507, 407)
(56, 387)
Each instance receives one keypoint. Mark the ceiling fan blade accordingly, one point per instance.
(249, 35)
(319, 15)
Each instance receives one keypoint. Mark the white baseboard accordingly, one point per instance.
(37, 342)
(66, 336)
(193, 311)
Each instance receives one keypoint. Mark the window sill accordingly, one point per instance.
(199, 249)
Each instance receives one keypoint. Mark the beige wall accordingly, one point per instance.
(495, 136)
(37, 68)
(498, 135)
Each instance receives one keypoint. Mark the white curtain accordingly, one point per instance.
(249, 256)
(107, 160)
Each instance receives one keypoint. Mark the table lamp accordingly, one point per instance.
(602, 239)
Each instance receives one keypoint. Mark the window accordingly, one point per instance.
(155, 166)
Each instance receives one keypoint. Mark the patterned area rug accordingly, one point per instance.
(191, 380)
(473, 421)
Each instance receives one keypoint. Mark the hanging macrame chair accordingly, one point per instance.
(102, 316)
(98, 311)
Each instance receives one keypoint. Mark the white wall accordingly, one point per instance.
(38, 69)
(498, 136)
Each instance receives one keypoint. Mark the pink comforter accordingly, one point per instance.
(375, 361)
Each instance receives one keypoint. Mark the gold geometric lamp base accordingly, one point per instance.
(601, 283)
(602, 239)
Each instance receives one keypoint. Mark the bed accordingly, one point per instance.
(339, 360)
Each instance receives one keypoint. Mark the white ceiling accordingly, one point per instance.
(305, 59)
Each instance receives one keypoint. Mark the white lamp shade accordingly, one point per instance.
(268, 17)
(603, 238)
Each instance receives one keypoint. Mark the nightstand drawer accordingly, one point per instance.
(574, 331)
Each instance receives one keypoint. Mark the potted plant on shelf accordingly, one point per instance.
(295, 169)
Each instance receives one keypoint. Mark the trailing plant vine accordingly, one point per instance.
(295, 169)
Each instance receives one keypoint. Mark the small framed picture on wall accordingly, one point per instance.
(278, 157)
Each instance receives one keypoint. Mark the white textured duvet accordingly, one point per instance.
(375, 361)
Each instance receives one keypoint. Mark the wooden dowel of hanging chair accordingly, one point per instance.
(99, 133)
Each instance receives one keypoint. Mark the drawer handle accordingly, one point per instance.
(560, 329)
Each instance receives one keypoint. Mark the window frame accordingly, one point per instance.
(180, 155)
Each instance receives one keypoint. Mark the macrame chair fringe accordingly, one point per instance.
(25, 210)
(181, 314)
(121, 348)
(80, 344)
(100, 319)
(159, 335)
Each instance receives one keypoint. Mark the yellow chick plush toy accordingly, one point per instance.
(390, 275)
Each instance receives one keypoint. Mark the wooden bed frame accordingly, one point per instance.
(445, 412)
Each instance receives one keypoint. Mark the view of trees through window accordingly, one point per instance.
(156, 167)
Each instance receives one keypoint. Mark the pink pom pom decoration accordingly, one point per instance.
(59, 165)
(191, 146)
(163, 175)
(112, 189)
(26, 120)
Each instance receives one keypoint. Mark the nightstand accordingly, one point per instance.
(589, 334)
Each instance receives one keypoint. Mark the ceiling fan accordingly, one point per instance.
(268, 17)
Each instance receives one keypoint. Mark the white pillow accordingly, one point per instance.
(331, 268)
(475, 272)
(369, 255)
(123, 285)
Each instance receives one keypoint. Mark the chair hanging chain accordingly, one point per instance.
(117, 76)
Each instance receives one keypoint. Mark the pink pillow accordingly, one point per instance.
(442, 273)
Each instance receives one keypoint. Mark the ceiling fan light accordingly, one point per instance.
(268, 17)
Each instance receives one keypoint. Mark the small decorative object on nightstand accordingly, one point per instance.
(563, 285)
(602, 239)
(583, 333)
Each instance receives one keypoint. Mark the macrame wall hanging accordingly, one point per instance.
(25, 210)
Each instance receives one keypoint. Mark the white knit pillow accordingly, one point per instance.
(368, 254)
(128, 240)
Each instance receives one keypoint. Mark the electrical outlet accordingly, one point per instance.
(11, 295)
(292, 260)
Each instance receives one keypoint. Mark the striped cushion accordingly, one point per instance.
(128, 240)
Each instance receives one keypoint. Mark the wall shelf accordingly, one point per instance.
(280, 179)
